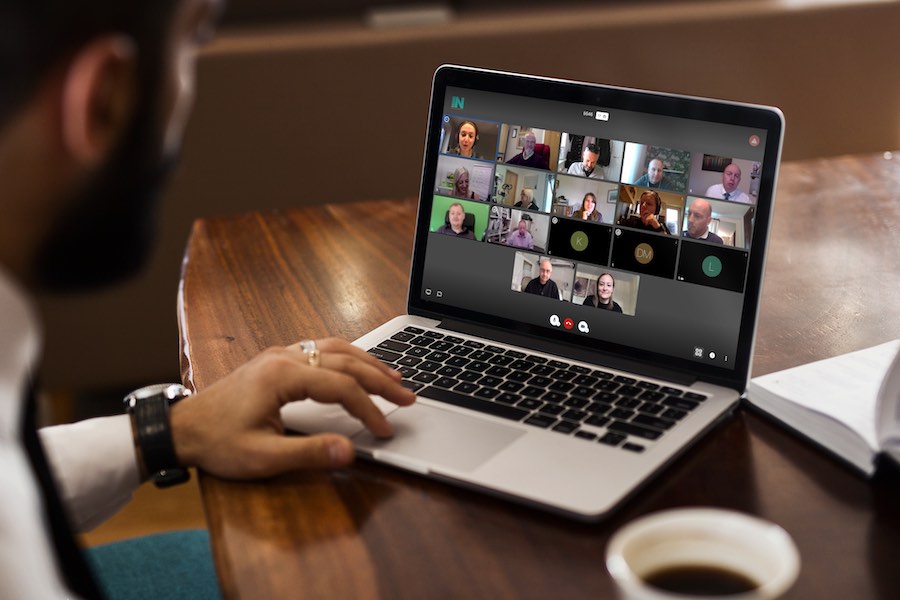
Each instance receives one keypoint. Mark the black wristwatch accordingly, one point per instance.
(149, 410)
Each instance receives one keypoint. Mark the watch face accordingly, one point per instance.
(173, 392)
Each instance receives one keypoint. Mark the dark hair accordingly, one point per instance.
(592, 148)
(591, 194)
(36, 35)
(609, 305)
(459, 129)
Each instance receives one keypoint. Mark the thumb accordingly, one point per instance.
(322, 451)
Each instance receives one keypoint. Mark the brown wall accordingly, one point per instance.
(336, 113)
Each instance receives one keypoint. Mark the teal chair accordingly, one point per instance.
(172, 565)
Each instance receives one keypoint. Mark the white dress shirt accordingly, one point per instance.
(718, 191)
(93, 463)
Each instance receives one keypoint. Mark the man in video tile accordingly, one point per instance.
(542, 285)
(728, 189)
(655, 177)
(455, 226)
(520, 237)
(699, 216)
(589, 157)
(528, 157)
(649, 207)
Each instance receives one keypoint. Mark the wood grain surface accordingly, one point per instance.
(273, 278)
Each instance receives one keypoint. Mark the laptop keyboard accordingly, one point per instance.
(590, 404)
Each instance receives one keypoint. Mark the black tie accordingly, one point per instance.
(71, 562)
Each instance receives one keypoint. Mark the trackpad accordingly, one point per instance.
(426, 436)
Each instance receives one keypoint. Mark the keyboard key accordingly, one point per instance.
(457, 361)
(562, 375)
(674, 414)
(412, 385)
(608, 397)
(601, 374)
(434, 334)
(651, 421)
(579, 369)
(608, 385)
(466, 387)
(530, 404)
(539, 420)
(651, 396)
(441, 346)
(612, 439)
(508, 398)
(495, 349)
(627, 403)
(540, 381)
(536, 359)
(429, 365)
(694, 396)
(394, 345)
(598, 408)
(501, 360)
(624, 380)
(520, 376)
(575, 415)
(521, 365)
(597, 421)
(583, 391)
(557, 364)
(414, 330)
(406, 372)
(385, 355)
(469, 376)
(449, 371)
(490, 381)
(532, 391)
(453, 339)
(498, 371)
(511, 386)
(635, 430)
(628, 390)
(460, 351)
(553, 397)
(419, 351)
(552, 409)
(621, 413)
(437, 356)
(577, 402)
(648, 385)
(425, 377)
(650, 408)
(515, 354)
(481, 355)
(477, 365)
(421, 341)
(542, 370)
(487, 392)
(445, 382)
(473, 344)
(585, 380)
(586, 435)
(671, 391)
(680, 403)
(561, 386)
(485, 406)
(565, 427)
(409, 361)
(633, 447)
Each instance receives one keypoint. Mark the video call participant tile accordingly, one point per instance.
(579, 240)
(642, 252)
(712, 265)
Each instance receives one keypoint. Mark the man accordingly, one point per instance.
(699, 216)
(528, 157)
(520, 237)
(649, 208)
(93, 105)
(456, 216)
(728, 189)
(655, 177)
(586, 168)
(542, 285)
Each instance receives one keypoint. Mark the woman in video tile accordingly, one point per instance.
(604, 299)
(466, 138)
(588, 211)
(526, 200)
(648, 219)
(461, 183)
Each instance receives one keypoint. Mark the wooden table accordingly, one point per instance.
(832, 286)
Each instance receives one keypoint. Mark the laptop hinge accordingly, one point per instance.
(595, 357)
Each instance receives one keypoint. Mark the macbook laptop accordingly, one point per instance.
(584, 287)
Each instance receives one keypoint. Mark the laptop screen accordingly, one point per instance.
(617, 221)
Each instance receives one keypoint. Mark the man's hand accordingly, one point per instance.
(233, 429)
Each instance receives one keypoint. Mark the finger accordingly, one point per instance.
(322, 451)
(331, 386)
(337, 345)
(370, 378)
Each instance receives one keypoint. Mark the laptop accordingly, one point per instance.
(584, 288)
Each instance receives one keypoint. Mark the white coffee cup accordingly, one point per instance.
(704, 545)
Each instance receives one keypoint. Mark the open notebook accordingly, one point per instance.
(584, 286)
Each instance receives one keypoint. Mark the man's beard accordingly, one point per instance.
(106, 233)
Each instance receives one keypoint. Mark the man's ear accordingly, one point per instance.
(98, 97)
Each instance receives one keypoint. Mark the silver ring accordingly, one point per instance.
(307, 346)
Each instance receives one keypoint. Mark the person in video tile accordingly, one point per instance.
(526, 200)
(520, 237)
(456, 217)
(461, 183)
(542, 285)
(606, 285)
(699, 216)
(588, 211)
(648, 218)
(589, 158)
(655, 176)
(728, 189)
(527, 157)
(467, 137)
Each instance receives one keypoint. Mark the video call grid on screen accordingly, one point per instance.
(521, 189)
